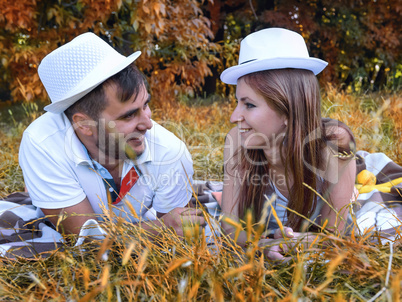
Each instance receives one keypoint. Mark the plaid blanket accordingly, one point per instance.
(23, 234)
(376, 210)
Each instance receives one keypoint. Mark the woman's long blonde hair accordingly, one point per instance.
(295, 94)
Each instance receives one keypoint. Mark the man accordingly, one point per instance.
(97, 148)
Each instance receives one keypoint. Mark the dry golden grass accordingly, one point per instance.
(375, 119)
(170, 268)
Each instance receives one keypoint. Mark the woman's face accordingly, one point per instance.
(260, 127)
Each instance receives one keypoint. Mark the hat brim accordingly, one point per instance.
(232, 74)
(92, 81)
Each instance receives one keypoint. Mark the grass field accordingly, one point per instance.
(335, 268)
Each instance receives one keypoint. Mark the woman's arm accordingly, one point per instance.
(230, 195)
(230, 191)
(340, 174)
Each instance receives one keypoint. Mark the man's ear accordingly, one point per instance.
(84, 124)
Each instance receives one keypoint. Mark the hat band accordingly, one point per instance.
(248, 61)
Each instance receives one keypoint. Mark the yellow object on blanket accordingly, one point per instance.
(366, 178)
(384, 187)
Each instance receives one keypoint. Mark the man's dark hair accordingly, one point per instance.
(128, 82)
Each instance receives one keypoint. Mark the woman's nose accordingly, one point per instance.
(236, 116)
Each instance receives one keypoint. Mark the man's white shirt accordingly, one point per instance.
(58, 172)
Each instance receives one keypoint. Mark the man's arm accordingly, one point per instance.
(173, 182)
(70, 219)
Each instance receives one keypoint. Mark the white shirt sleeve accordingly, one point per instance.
(174, 185)
(50, 179)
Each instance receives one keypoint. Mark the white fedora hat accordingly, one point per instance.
(272, 48)
(76, 68)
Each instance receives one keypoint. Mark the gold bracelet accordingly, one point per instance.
(247, 244)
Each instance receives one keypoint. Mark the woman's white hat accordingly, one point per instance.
(76, 68)
(272, 48)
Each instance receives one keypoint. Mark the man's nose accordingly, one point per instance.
(145, 122)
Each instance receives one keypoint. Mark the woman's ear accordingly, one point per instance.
(83, 124)
(285, 122)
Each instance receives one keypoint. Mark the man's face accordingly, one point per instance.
(123, 125)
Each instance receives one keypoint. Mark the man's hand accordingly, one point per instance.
(179, 217)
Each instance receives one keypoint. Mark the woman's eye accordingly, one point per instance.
(248, 105)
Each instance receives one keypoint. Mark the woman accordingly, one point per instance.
(281, 147)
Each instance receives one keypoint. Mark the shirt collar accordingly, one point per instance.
(146, 155)
(73, 147)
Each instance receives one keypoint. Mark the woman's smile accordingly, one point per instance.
(244, 130)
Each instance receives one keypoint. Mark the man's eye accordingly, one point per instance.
(129, 116)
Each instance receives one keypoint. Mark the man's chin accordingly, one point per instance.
(134, 149)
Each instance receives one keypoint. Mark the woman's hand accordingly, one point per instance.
(288, 232)
(274, 249)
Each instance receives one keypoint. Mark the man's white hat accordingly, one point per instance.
(76, 68)
(272, 48)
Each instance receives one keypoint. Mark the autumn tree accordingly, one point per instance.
(174, 37)
(361, 39)
(188, 42)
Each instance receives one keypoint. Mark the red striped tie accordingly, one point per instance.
(128, 182)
